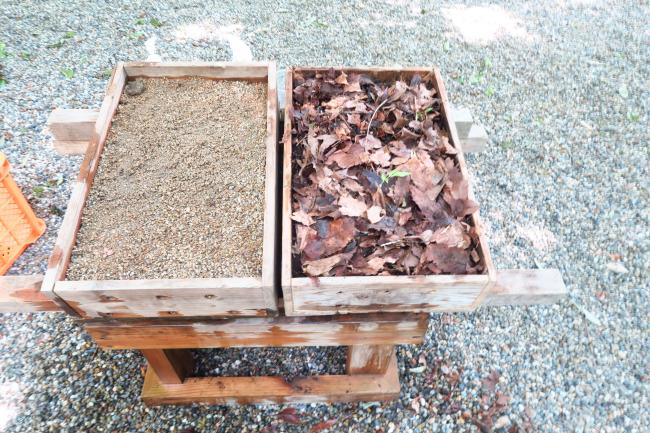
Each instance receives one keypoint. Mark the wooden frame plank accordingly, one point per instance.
(60, 257)
(364, 359)
(259, 294)
(169, 366)
(22, 294)
(344, 295)
(167, 298)
(269, 389)
(368, 329)
(418, 293)
(215, 70)
(526, 287)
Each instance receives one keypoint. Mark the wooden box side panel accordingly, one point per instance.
(200, 297)
(256, 296)
(348, 295)
(336, 296)
(369, 329)
(60, 257)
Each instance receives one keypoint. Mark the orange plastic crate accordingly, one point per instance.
(19, 227)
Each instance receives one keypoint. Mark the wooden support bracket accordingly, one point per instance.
(274, 389)
(22, 294)
(72, 129)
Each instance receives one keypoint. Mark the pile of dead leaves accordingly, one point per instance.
(376, 185)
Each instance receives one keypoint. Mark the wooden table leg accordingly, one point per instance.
(170, 365)
(364, 359)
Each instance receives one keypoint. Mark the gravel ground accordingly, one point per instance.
(562, 88)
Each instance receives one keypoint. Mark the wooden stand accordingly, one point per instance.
(371, 364)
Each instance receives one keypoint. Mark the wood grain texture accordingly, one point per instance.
(170, 366)
(254, 71)
(60, 257)
(369, 329)
(22, 294)
(483, 250)
(345, 295)
(268, 389)
(214, 298)
(70, 147)
(526, 287)
(269, 264)
(365, 359)
(420, 293)
(198, 297)
(72, 124)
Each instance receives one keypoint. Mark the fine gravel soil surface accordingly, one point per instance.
(563, 89)
(180, 188)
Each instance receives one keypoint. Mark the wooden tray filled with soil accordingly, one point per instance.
(173, 211)
(377, 211)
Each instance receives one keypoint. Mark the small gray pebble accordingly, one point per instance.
(134, 88)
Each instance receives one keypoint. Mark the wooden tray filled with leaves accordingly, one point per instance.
(377, 212)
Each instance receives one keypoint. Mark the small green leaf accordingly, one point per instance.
(446, 46)
(397, 173)
(3, 51)
(429, 110)
(69, 34)
(25, 56)
(140, 22)
(3, 82)
(107, 73)
(136, 35)
(393, 173)
(38, 191)
(155, 22)
(67, 72)
(320, 24)
(487, 63)
(633, 117)
(56, 181)
(489, 91)
(58, 44)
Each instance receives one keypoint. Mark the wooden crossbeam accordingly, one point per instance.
(274, 389)
(343, 330)
(22, 294)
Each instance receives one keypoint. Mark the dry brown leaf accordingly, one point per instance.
(319, 267)
(375, 214)
(302, 217)
(351, 206)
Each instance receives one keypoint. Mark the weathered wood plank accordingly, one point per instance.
(170, 366)
(365, 359)
(167, 298)
(217, 70)
(526, 287)
(72, 124)
(270, 189)
(267, 389)
(476, 139)
(60, 257)
(483, 248)
(419, 293)
(463, 121)
(369, 329)
(22, 294)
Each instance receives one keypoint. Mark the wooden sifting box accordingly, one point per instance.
(365, 294)
(196, 297)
